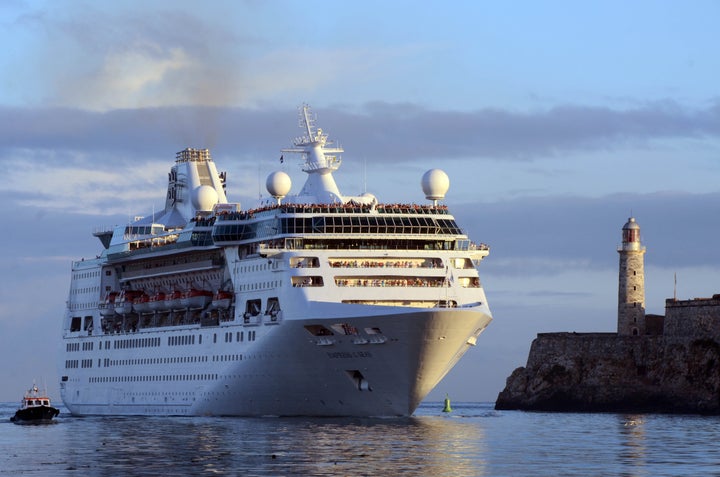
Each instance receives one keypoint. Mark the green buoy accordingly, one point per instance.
(447, 407)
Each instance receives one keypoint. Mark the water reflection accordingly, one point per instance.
(471, 441)
(231, 446)
(633, 451)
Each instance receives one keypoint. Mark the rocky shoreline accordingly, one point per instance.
(604, 372)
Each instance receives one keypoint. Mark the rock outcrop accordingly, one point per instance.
(611, 372)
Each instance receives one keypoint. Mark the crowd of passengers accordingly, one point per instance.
(330, 208)
(391, 282)
(385, 264)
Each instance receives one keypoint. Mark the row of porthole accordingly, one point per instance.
(165, 377)
(145, 361)
(261, 285)
(78, 291)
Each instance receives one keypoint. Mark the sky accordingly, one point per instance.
(555, 121)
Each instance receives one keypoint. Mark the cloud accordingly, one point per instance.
(109, 57)
(378, 132)
(86, 190)
(532, 236)
(504, 134)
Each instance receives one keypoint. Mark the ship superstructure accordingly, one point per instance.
(309, 304)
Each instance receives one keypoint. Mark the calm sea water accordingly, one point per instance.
(473, 440)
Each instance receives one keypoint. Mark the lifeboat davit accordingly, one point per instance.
(107, 306)
(222, 299)
(194, 298)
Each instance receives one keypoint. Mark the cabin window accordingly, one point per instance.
(469, 282)
(75, 323)
(345, 329)
(318, 330)
(462, 263)
(304, 262)
(308, 281)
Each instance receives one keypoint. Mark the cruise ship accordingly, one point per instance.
(310, 304)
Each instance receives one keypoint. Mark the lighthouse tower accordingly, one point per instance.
(631, 289)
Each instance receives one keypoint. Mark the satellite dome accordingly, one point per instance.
(435, 184)
(278, 184)
(204, 197)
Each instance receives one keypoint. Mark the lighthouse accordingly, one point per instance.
(631, 283)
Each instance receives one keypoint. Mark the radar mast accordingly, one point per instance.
(320, 161)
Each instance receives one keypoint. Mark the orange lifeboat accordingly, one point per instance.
(172, 300)
(107, 306)
(141, 304)
(194, 298)
(157, 302)
(222, 299)
(124, 301)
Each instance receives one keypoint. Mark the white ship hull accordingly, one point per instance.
(285, 371)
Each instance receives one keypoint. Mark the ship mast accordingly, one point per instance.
(320, 161)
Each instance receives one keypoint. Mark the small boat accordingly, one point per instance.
(34, 407)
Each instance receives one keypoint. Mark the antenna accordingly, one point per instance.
(364, 186)
(307, 121)
(259, 186)
(675, 288)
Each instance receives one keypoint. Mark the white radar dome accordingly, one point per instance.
(369, 196)
(204, 197)
(278, 184)
(435, 184)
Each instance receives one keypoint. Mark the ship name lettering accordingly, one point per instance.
(348, 354)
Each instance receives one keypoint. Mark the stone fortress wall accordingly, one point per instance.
(653, 363)
(699, 317)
